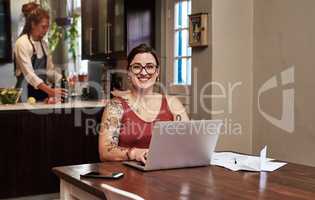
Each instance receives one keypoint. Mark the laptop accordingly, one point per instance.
(179, 144)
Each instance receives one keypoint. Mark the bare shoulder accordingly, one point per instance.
(114, 107)
(173, 101)
(175, 104)
(121, 93)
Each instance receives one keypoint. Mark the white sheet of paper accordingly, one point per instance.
(235, 161)
(263, 156)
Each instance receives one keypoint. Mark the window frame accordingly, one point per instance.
(172, 88)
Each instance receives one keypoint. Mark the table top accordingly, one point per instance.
(289, 182)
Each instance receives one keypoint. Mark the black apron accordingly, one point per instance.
(39, 66)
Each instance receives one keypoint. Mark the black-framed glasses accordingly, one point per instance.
(137, 68)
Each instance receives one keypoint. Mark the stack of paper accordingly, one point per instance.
(235, 161)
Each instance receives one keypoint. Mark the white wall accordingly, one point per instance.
(227, 59)
(284, 37)
(7, 78)
(201, 69)
(253, 40)
(232, 52)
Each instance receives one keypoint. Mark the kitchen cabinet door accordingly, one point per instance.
(88, 28)
(103, 29)
(117, 28)
(5, 32)
(34, 141)
(31, 160)
(140, 22)
(8, 149)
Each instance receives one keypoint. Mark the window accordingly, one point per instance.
(81, 66)
(182, 51)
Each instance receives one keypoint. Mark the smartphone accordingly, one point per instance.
(107, 175)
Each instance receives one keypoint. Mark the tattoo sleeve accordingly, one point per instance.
(110, 130)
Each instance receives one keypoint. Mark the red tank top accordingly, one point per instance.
(136, 132)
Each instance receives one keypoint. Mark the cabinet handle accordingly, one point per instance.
(91, 42)
(105, 40)
(108, 38)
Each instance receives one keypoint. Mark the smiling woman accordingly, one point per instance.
(128, 119)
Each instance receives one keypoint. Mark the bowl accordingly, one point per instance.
(10, 95)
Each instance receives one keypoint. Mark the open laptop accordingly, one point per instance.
(179, 144)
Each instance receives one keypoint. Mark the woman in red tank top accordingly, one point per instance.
(129, 117)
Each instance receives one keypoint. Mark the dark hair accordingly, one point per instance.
(28, 8)
(35, 16)
(142, 48)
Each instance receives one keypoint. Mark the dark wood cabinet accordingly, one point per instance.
(8, 148)
(111, 28)
(32, 144)
(140, 18)
(5, 32)
(30, 154)
(103, 29)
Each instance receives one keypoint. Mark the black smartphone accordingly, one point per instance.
(107, 175)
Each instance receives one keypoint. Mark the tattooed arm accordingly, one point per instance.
(109, 133)
(109, 136)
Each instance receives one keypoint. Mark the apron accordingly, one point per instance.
(39, 66)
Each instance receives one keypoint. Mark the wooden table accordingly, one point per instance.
(289, 182)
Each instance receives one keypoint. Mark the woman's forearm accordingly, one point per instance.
(114, 153)
(45, 88)
(52, 92)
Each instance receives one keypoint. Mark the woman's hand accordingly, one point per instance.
(139, 154)
(52, 92)
(53, 100)
(57, 92)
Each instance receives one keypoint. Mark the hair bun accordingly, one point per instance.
(28, 8)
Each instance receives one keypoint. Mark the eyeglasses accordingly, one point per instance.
(137, 68)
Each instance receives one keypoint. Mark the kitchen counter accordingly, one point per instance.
(41, 105)
(36, 138)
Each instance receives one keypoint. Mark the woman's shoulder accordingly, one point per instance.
(22, 44)
(175, 104)
(171, 99)
(114, 106)
(22, 41)
(116, 101)
(123, 94)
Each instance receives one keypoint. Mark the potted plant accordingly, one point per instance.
(66, 28)
(72, 35)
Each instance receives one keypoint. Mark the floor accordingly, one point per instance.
(53, 196)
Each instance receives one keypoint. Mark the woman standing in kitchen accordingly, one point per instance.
(32, 64)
